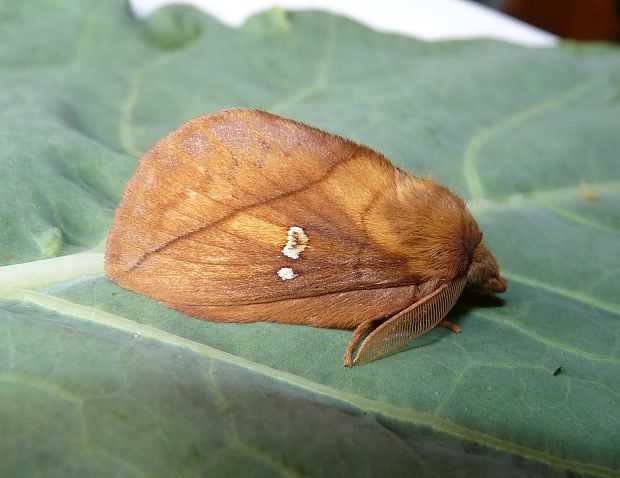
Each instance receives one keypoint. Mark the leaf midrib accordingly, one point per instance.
(361, 403)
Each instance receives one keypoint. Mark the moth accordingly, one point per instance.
(242, 216)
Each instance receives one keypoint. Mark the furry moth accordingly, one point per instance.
(243, 216)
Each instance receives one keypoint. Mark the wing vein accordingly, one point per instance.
(243, 209)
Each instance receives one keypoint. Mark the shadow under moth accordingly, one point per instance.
(243, 216)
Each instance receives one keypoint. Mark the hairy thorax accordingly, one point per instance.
(429, 225)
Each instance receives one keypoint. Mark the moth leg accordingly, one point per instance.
(450, 326)
(357, 336)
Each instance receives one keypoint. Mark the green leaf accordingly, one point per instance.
(97, 381)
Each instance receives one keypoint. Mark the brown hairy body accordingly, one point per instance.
(243, 216)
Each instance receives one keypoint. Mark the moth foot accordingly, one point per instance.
(451, 326)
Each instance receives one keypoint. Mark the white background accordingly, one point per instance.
(425, 19)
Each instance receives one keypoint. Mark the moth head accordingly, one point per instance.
(483, 275)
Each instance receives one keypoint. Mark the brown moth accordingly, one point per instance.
(243, 216)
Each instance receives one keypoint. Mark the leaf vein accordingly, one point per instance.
(320, 77)
(564, 292)
(486, 135)
(547, 341)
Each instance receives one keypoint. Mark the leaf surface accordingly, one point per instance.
(97, 381)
